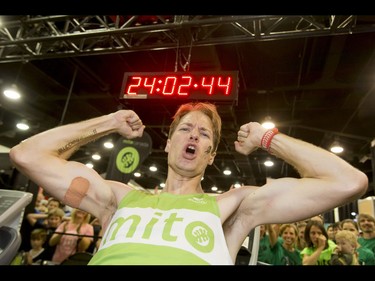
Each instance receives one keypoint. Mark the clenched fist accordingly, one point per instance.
(249, 137)
(129, 124)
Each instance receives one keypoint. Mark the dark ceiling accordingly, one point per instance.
(314, 75)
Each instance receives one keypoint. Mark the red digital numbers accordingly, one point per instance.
(147, 84)
(214, 85)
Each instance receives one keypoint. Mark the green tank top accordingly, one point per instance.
(156, 229)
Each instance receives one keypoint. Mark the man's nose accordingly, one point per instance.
(194, 135)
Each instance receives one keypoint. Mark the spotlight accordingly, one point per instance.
(268, 162)
(268, 123)
(336, 147)
(22, 125)
(96, 156)
(12, 92)
(108, 144)
(227, 172)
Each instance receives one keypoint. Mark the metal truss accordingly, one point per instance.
(25, 38)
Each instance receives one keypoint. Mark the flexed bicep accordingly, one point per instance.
(75, 184)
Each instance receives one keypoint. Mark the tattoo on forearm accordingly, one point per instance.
(72, 143)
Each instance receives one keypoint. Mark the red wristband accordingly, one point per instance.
(267, 138)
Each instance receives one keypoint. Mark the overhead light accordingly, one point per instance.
(108, 144)
(90, 165)
(268, 123)
(227, 172)
(336, 147)
(12, 92)
(22, 125)
(96, 156)
(268, 162)
(137, 174)
(153, 168)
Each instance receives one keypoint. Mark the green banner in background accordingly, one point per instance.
(126, 157)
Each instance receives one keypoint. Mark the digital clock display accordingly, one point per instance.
(217, 85)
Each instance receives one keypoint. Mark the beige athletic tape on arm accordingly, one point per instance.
(76, 192)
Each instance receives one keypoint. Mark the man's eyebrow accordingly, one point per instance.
(200, 127)
(187, 124)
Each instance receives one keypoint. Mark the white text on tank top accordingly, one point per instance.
(193, 231)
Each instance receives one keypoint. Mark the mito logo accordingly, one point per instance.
(163, 228)
(127, 160)
(198, 234)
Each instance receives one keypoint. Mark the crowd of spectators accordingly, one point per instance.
(55, 233)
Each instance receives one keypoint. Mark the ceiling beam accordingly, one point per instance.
(26, 38)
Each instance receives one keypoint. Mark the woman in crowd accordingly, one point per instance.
(319, 248)
(72, 236)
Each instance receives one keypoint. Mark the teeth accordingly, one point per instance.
(190, 149)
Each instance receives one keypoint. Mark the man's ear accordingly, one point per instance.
(212, 158)
(168, 145)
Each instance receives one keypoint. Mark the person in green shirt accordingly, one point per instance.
(283, 246)
(264, 245)
(365, 255)
(366, 224)
(319, 248)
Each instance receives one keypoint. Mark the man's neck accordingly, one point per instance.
(368, 235)
(183, 185)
